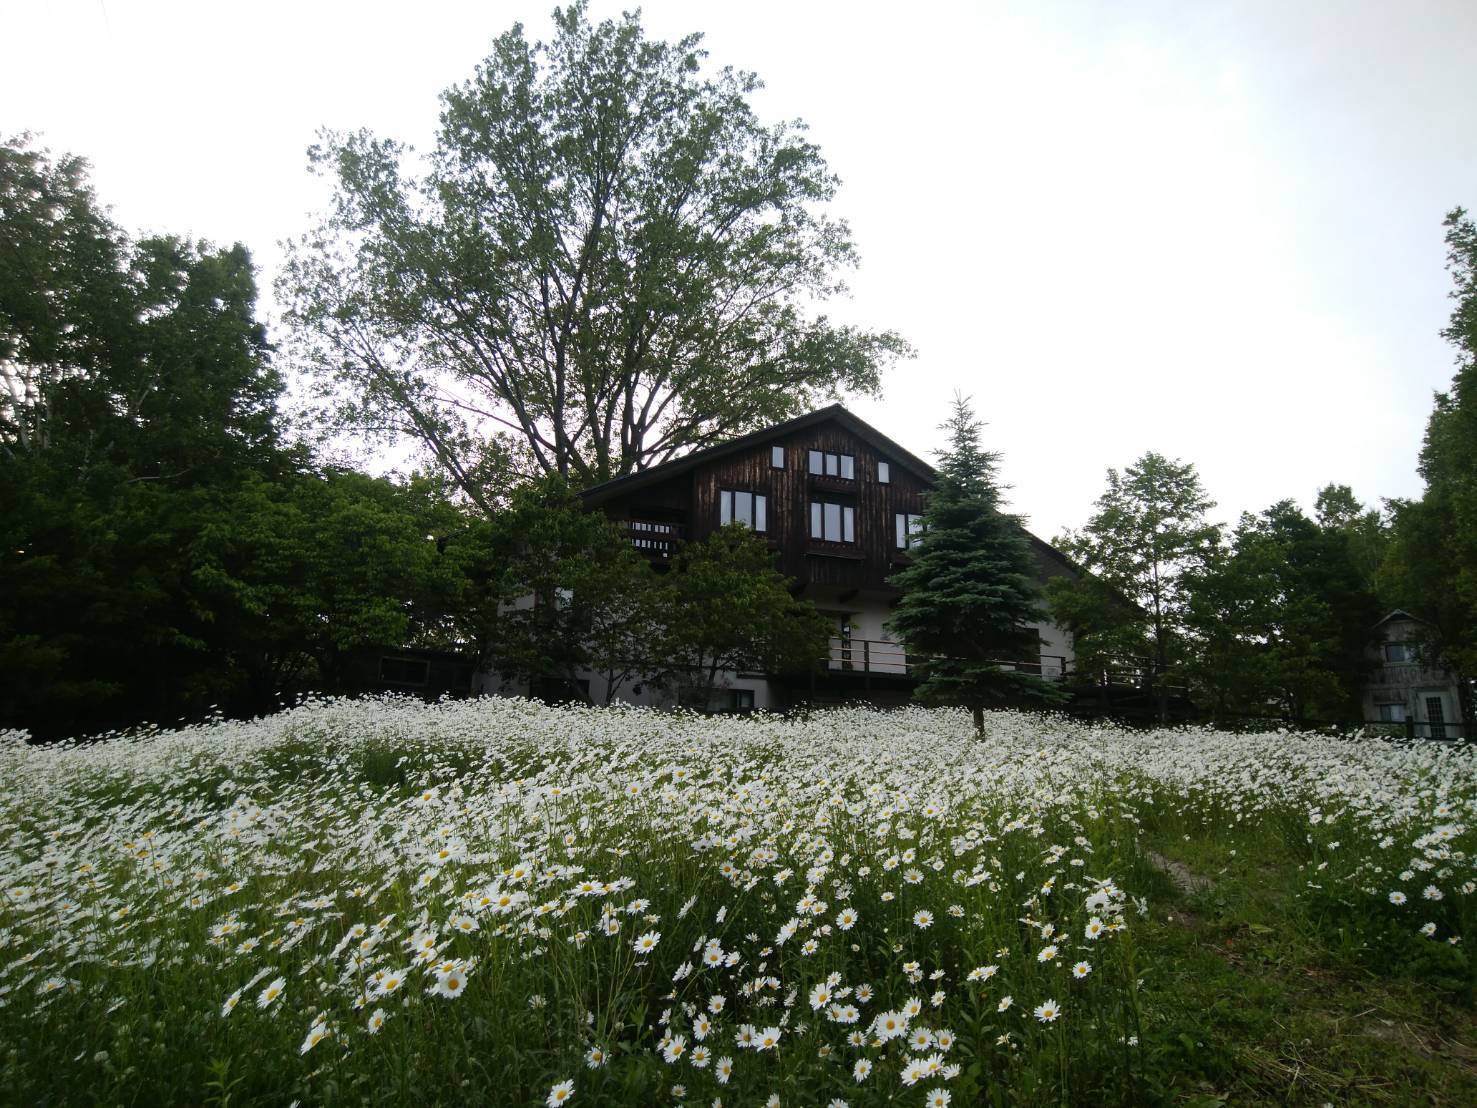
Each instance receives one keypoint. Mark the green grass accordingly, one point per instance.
(1256, 997)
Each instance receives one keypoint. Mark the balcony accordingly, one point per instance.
(656, 539)
(1404, 675)
(880, 656)
(820, 482)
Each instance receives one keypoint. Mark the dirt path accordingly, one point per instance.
(1185, 879)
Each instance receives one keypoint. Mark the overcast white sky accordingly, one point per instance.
(1208, 229)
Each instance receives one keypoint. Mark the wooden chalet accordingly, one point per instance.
(839, 503)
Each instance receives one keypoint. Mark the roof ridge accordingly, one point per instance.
(835, 410)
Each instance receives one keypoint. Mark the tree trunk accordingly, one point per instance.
(979, 721)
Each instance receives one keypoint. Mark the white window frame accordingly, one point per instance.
(824, 463)
(830, 518)
(756, 518)
(907, 527)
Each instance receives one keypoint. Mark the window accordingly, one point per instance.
(1399, 652)
(1436, 714)
(777, 457)
(907, 528)
(832, 465)
(831, 522)
(748, 508)
(884, 473)
(741, 700)
(1392, 713)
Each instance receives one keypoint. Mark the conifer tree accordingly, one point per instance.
(970, 597)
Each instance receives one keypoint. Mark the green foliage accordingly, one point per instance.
(137, 393)
(1283, 619)
(1432, 569)
(145, 356)
(89, 615)
(727, 608)
(573, 594)
(1365, 530)
(607, 260)
(143, 602)
(1148, 534)
(63, 294)
(301, 576)
(969, 598)
(162, 552)
(1106, 627)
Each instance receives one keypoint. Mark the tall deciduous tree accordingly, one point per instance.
(969, 600)
(1148, 535)
(64, 296)
(136, 391)
(1366, 530)
(605, 261)
(143, 356)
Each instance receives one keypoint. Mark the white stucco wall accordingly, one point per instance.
(871, 645)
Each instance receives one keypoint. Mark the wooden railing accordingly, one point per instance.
(1406, 674)
(1130, 671)
(654, 538)
(868, 656)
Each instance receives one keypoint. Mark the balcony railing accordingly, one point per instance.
(1400, 675)
(654, 538)
(880, 656)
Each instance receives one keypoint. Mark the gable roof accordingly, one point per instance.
(832, 413)
(1400, 613)
(599, 494)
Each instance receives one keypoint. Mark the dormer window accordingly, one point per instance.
(749, 508)
(823, 464)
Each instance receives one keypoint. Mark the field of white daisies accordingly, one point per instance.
(496, 902)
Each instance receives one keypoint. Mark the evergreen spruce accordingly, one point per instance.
(970, 598)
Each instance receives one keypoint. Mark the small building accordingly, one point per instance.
(1404, 690)
(840, 505)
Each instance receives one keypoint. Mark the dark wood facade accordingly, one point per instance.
(683, 500)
